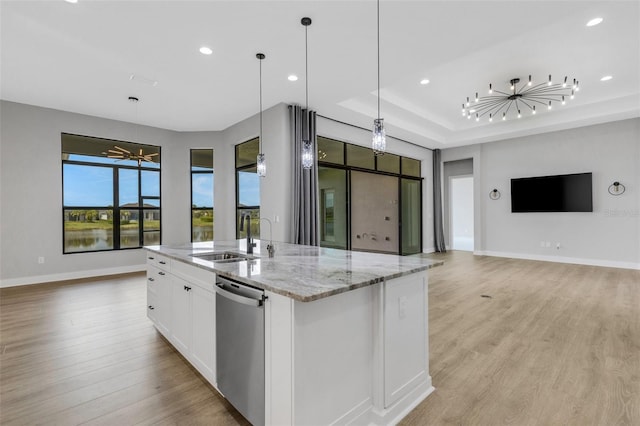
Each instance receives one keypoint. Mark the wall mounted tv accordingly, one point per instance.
(561, 193)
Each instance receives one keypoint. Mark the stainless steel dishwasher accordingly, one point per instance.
(240, 347)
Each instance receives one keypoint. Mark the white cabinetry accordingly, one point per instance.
(203, 330)
(158, 288)
(181, 314)
(181, 304)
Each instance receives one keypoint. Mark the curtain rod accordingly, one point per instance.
(369, 130)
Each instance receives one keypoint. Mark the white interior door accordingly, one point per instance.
(461, 196)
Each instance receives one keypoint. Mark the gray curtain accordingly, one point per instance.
(304, 226)
(438, 228)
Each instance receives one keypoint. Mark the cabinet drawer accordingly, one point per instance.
(158, 260)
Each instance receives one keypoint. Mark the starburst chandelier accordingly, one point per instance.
(522, 99)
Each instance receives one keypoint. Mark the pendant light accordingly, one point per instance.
(379, 140)
(307, 148)
(261, 167)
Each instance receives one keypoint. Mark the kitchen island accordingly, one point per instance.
(345, 333)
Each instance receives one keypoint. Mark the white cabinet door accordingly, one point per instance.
(203, 339)
(181, 314)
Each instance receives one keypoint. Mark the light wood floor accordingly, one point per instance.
(555, 344)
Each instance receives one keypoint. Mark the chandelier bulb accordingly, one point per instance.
(490, 118)
(549, 84)
(564, 83)
(534, 110)
(529, 80)
(490, 89)
(467, 101)
(549, 107)
(504, 116)
(476, 97)
(563, 102)
(577, 85)
(519, 115)
(468, 116)
(477, 117)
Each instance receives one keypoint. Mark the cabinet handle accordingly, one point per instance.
(151, 279)
(151, 307)
(186, 288)
(150, 257)
(161, 273)
(162, 262)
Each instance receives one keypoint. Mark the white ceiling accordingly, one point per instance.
(79, 58)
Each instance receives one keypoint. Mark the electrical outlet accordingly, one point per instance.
(41, 259)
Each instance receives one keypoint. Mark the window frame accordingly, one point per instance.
(400, 176)
(202, 172)
(250, 209)
(116, 208)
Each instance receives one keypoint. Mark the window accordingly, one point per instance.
(337, 164)
(110, 194)
(202, 218)
(247, 187)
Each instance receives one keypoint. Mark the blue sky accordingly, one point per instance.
(93, 186)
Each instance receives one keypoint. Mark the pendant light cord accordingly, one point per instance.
(260, 140)
(306, 67)
(378, 10)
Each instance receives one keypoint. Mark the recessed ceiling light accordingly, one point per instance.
(594, 22)
(606, 78)
(424, 81)
(71, 1)
(293, 77)
(206, 50)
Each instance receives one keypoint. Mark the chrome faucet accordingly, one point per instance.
(250, 243)
(270, 248)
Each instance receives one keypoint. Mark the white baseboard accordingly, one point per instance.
(429, 250)
(561, 259)
(39, 279)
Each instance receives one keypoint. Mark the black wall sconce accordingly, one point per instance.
(616, 188)
(494, 194)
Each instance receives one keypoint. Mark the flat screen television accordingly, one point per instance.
(561, 193)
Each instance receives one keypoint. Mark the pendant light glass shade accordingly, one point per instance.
(379, 140)
(262, 166)
(307, 155)
(307, 146)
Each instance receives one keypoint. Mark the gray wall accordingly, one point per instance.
(31, 191)
(608, 236)
(31, 187)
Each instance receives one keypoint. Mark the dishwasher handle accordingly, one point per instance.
(239, 298)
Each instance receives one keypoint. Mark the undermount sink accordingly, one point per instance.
(226, 257)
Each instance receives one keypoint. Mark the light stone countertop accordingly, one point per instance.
(303, 273)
